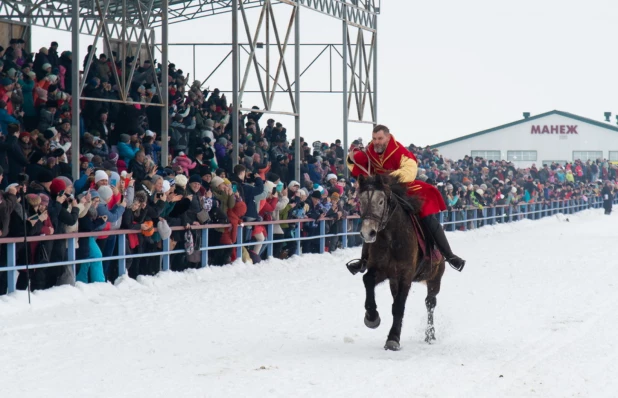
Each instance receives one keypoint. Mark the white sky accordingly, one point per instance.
(446, 68)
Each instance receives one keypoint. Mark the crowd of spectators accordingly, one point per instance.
(123, 185)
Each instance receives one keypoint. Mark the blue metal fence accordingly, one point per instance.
(463, 219)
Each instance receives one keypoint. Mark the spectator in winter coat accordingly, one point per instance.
(183, 161)
(5, 118)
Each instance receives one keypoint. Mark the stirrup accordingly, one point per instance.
(356, 266)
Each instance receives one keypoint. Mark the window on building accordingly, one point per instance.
(550, 162)
(587, 155)
(514, 156)
(613, 156)
(487, 155)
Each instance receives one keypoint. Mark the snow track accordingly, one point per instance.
(532, 315)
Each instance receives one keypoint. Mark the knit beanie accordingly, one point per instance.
(195, 178)
(45, 176)
(105, 192)
(56, 186)
(100, 175)
(216, 181)
(67, 182)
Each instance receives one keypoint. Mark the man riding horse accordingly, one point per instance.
(384, 155)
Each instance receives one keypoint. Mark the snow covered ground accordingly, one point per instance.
(534, 314)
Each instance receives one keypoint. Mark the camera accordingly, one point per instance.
(159, 195)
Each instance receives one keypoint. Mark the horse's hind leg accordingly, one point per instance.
(433, 288)
(399, 289)
(372, 317)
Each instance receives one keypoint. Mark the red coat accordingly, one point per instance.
(398, 162)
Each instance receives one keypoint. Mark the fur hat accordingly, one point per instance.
(99, 176)
(316, 194)
(105, 192)
(56, 186)
(181, 180)
(33, 199)
(330, 177)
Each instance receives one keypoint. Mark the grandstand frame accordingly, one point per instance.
(131, 22)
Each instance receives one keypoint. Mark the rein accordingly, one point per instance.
(386, 216)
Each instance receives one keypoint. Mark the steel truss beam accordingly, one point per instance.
(57, 14)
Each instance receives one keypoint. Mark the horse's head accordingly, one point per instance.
(374, 194)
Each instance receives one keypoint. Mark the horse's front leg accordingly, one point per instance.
(372, 317)
(400, 288)
(433, 288)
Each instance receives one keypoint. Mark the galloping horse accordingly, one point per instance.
(394, 253)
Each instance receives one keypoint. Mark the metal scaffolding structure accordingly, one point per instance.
(130, 24)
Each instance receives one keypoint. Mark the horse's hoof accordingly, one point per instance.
(372, 324)
(392, 345)
(430, 339)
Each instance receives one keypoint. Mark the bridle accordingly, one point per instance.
(386, 216)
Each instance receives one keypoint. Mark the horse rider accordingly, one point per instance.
(384, 155)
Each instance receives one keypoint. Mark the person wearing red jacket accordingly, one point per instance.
(384, 155)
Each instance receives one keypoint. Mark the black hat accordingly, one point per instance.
(49, 134)
(36, 156)
(45, 176)
(199, 151)
(316, 194)
(54, 44)
(195, 178)
(58, 152)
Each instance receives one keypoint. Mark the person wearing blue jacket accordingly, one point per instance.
(125, 149)
(5, 118)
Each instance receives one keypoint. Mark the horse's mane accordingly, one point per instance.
(382, 182)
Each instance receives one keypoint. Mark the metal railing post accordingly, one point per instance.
(441, 217)
(344, 237)
(493, 216)
(11, 277)
(165, 256)
(271, 236)
(322, 233)
(453, 220)
(204, 256)
(298, 235)
(464, 216)
(122, 251)
(239, 241)
(71, 253)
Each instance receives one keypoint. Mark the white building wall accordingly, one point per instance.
(548, 146)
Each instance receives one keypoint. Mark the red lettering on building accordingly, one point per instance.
(536, 130)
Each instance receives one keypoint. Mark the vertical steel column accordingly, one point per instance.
(204, 256)
(194, 75)
(235, 76)
(164, 85)
(11, 276)
(297, 93)
(122, 251)
(75, 92)
(344, 40)
(375, 73)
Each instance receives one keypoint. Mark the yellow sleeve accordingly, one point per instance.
(407, 170)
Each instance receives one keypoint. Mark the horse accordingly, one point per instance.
(394, 253)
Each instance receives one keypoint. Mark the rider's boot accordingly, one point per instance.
(433, 227)
(356, 266)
